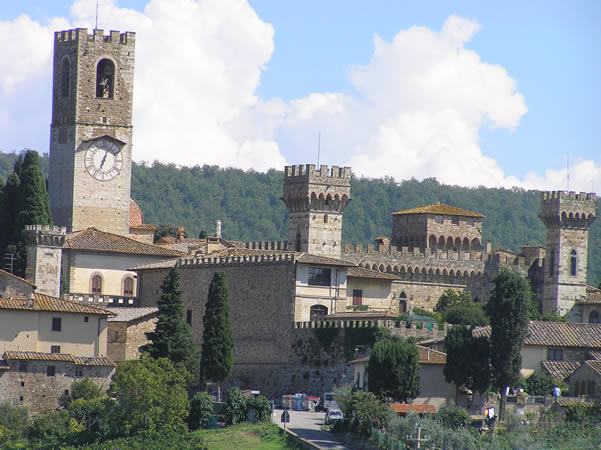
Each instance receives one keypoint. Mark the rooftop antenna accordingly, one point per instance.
(96, 27)
(318, 147)
(568, 165)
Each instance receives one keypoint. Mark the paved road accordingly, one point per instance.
(307, 425)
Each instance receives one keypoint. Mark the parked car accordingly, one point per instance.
(333, 415)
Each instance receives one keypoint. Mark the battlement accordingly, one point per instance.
(49, 229)
(418, 253)
(309, 174)
(81, 35)
(568, 195)
(277, 258)
(267, 245)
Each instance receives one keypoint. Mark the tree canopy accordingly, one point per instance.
(393, 370)
(217, 339)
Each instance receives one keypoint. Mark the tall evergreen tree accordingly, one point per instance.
(217, 339)
(32, 201)
(172, 337)
(508, 308)
(393, 370)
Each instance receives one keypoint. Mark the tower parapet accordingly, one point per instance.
(44, 257)
(567, 217)
(316, 200)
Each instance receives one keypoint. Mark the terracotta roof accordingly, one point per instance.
(572, 401)
(429, 356)
(136, 217)
(78, 360)
(363, 315)
(307, 258)
(4, 272)
(558, 334)
(594, 355)
(360, 272)
(593, 295)
(96, 240)
(404, 408)
(560, 370)
(127, 314)
(439, 208)
(43, 302)
(144, 226)
(163, 264)
(594, 365)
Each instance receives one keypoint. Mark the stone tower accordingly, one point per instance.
(44, 257)
(568, 217)
(91, 130)
(316, 200)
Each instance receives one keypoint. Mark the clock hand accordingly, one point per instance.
(104, 159)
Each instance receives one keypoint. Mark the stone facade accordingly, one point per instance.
(91, 98)
(39, 392)
(568, 217)
(126, 337)
(12, 286)
(316, 200)
(44, 257)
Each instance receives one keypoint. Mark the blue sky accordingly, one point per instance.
(511, 87)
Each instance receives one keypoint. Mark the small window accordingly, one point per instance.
(402, 306)
(357, 297)
(22, 366)
(50, 370)
(66, 391)
(96, 287)
(593, 317)
(189, 317)
(55, 349)
(56, 324)
(319, 276)
(78, 372)
(105, 79)
(555, 354)
(22, 383)
(86, 319)
(325, 218)
(573, 264)
(20, 398)
(318, 312)
(128, 286)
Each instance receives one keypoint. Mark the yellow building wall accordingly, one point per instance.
(532, 357)
(32, 331)
(332, 297)
(377, 294)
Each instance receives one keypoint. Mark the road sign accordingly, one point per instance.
(285, 417)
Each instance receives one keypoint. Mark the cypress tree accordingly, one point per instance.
(172, 336)
(217, 339)
(508, 307)
(32, 200)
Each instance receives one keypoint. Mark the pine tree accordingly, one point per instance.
(217, 339)
(508, 307)
(32, 200)
(172, 337)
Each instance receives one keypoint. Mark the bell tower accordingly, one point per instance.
(316, 200)
(91, 130)
(567, 217)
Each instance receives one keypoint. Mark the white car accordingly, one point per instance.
(333, 415)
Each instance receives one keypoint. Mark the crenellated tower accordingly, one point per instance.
(567, 217)
(91, 130)
(44, 257)
(316, 200)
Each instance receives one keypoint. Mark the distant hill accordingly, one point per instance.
(249, 206)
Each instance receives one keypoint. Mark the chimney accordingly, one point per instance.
(180, 234)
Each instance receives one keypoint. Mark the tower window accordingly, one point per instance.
(65, 77)
(573, 263)
(105, 79)
(551, 262)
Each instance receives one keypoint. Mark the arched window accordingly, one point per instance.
(105, 79)
(128, 286)
(65, 77)
(96, 284)
(593, 317)
(318, 312)
(403, 306)
(573, 263)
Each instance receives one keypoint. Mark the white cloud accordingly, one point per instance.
(416, 110)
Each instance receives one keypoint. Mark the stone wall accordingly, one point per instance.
(15, 287)
(136, 336)
(38, 392)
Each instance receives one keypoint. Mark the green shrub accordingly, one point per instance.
(235, 407)
(13, 423)
(261, 406)
(201, 410)
(452, 417)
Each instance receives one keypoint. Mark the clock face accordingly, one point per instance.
(103, 159)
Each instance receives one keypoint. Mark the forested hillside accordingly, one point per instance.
(249, 205)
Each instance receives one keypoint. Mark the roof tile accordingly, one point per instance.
(439, 208)
(560, 370)
(360, 272)
(127, 314)
(404, 408)
(43, 302)
(78, 360)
